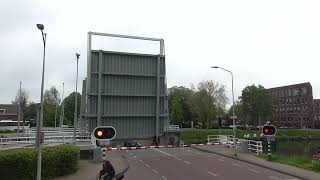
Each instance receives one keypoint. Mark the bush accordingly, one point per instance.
(6, 131)
(22, 163)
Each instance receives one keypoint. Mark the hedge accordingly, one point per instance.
(21, 164)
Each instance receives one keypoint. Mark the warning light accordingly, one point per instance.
(99, 133)
(269, 130)
(104, 132)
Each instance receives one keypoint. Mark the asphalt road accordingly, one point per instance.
(190, 164)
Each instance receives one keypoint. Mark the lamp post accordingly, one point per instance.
(40, 119)
(19, 116)
(76, 103)
(62, 107)
(233, 116)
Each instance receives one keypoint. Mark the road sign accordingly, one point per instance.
(102, 142)
(271, 138)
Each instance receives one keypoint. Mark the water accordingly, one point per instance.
(304, 147)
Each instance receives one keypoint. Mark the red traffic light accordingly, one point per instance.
(104, 132)
(269, 130)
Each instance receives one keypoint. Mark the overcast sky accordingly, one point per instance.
(272, 43)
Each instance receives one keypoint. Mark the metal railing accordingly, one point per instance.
(228, 141)
(172, 128)
(255, 146)
(221, 139)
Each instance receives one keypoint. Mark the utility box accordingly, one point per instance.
(127, 91)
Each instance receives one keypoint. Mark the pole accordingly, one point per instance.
(62, 107)
(234, 121)
(19, 115)
(269, 150)
(44, 36)
(76, 103)
(55, 116)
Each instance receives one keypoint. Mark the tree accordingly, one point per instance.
(51, 96)
(22, 98)
(69, 107)
(30, 111)
(238, 111)
(208, 101)
(51, 100)
(203, 106)
(256, 102)
(179, 105)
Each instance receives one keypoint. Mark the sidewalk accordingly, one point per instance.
(89, 170)
(251, 158)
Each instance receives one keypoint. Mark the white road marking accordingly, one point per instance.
(163, 152)
(135, 156)
(140, 160)
(155, 171)
(254, 171)
(221, 160)
(212, 173)
(179, 159)
(163, 177)
(147, 165)
(236, 164)
(189, 150)
(131, 154)
(272, 177)
(187, 162)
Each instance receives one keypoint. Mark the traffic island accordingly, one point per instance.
(253, 159)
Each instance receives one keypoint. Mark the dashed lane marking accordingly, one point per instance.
(254, 171)
(236, 164)
(155, 171)
(221, 160)
(272, 177)
(212, 173)
(163, 177)
(163, 152)
(135, 156)
(147, 165)
(187, 162)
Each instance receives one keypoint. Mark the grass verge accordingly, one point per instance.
(300, 161)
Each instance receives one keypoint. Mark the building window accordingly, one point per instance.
(295, 92)
(304, 91)
(2, 111)
(289, 92)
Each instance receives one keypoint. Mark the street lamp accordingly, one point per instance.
(76, 102)
(233, 116)
(40, 120)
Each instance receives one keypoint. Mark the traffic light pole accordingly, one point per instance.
(269, 151)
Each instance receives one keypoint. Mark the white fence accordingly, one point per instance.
(228, 141)
(51, 136)
(255, 146)
(172, 128)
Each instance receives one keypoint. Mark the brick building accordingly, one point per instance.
(293, 106)
(316, 112)
(9, 112)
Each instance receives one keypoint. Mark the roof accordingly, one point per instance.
(10, 108)
(292, 85)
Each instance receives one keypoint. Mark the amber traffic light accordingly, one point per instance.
(104, 132)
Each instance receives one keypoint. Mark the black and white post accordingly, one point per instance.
(103, 153)
(269, 150)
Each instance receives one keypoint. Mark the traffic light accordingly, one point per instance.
(104, 132)
(269, 130)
